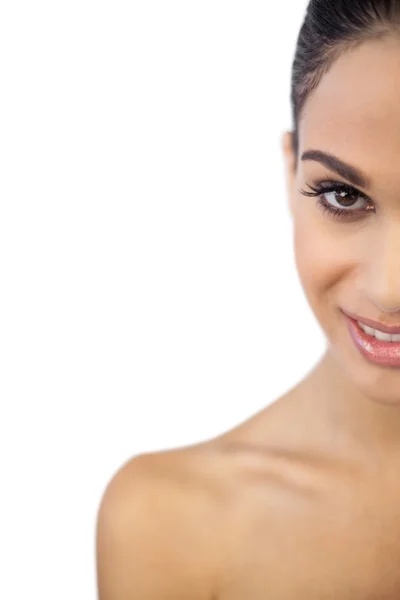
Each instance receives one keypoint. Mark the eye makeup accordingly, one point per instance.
(344, 192)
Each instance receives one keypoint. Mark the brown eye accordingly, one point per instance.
(340, 200)
(344, 199)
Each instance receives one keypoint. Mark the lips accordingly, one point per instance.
(374, 350)
(392, 329)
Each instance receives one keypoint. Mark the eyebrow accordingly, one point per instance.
(349, 172)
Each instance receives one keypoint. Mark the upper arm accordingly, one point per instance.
(144, 543)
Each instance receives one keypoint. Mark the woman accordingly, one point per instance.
(301, 501)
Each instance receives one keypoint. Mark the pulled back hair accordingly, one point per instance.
(330, 28)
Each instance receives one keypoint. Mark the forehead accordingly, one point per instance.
(355, 110)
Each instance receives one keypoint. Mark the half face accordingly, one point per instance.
(347, 240)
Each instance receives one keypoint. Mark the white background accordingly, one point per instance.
(149, 295)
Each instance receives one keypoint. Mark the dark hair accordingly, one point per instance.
(330, 28)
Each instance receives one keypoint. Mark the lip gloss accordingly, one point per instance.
(377, 351)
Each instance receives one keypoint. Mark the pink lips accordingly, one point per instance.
(381, 353)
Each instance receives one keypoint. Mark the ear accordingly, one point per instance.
(290, 166)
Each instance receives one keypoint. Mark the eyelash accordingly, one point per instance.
(335, 186)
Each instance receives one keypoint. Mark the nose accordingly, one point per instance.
(384, 285)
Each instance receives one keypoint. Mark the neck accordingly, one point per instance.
(350, 418)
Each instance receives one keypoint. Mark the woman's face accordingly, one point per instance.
(351, 261)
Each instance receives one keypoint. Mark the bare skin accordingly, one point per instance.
(302, 501)
(284, 506)
(315, 516)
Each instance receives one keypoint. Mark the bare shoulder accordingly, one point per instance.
(158, 527)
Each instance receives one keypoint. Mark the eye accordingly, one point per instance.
(340, 200)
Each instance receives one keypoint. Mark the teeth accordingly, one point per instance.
(384, 337)
(379, 335)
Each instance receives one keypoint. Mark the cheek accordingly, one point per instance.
(322, 259)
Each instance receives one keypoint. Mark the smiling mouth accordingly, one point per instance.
(375, 325)
(375, 348)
